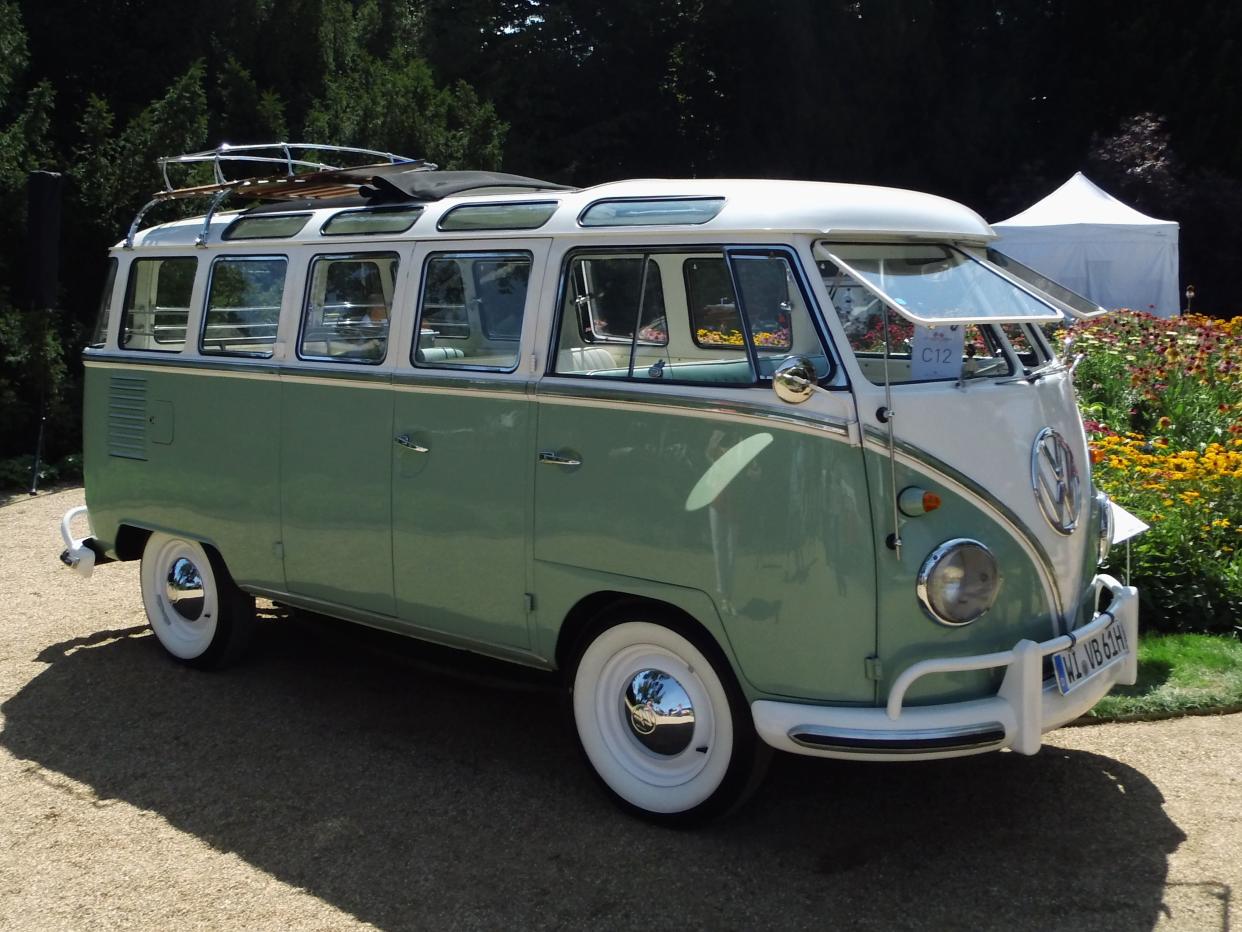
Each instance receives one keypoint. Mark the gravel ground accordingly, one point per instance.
(331, 781)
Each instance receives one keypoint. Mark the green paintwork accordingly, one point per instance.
(462, 510)
(210, 466)
(777, 546)
(336, 486)
(905, 634)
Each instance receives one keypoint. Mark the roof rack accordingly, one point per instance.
(293, 173)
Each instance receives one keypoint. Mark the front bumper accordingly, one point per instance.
(1016, 717)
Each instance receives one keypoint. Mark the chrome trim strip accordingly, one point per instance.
(1024, 535)
(689, 406)
(210, 368)
(899, 741)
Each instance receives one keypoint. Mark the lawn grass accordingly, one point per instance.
(1179, 674)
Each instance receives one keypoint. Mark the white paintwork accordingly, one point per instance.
(653, 782)
(1025, 706)
(81, 557)
(750, 206)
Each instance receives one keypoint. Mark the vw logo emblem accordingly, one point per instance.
(1054, 479)
(643, 719)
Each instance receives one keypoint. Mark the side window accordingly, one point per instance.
(99, 336)
(157, 303)
(770, 297)
(780, 323)
(691, 327)
(243, 306)
(607, 291)
(471, 310)
(348, 306)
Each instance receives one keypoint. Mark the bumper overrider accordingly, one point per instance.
(1023, 709)
(81, 554)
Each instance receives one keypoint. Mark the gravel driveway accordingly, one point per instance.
(331, 782)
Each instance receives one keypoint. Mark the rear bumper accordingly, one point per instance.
(1016, 717)
(81, 553)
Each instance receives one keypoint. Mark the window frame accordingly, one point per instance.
(312, 260)
(419, 210)
(590, 336)
(130, 284)
(582, 216)
(211, 277)
(238, 220)
(493, 254)
(466, 208)
(835, 366)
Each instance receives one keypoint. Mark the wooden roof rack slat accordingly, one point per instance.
(302, 175)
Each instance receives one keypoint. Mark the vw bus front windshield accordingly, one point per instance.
(931, 283)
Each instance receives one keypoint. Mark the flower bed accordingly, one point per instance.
(1162, 401)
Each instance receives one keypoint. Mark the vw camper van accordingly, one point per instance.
(754, 464)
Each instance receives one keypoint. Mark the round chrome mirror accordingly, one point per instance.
(794, 379)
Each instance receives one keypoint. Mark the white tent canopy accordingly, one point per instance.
(1086, 239)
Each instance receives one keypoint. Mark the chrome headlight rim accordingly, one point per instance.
(1104, 545)
(934, 560)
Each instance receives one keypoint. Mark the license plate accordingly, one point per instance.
(1090, 656)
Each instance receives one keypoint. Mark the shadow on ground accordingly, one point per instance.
(410, 792)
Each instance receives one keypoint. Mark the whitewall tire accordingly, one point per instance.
(198, 614)
(661, 720)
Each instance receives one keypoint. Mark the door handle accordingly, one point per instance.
(555, 459)
(405, 441)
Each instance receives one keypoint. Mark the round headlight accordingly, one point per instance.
(958, 582)
(1106, 526)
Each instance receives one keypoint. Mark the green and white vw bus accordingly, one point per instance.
(754, 464)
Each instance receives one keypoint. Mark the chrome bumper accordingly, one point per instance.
(1016, 717)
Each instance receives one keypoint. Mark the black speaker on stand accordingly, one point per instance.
(43, 190)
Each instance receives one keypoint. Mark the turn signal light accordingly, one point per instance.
(914, 501)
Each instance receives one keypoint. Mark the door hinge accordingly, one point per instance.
(530, 601)
(872, 667)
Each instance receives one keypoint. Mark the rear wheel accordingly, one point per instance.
(195, 609)
(662, 720)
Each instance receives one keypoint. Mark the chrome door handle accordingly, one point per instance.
(405, 441)
(555, 459)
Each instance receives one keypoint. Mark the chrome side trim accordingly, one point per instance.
(897, 742)
(967, 486)
(689, 406)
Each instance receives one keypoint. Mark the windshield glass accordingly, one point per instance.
(929, 283)
(1075, 304)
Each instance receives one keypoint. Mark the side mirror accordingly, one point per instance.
(794, 379)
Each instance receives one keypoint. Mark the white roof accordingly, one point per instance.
(750, 206)
(1078, 202)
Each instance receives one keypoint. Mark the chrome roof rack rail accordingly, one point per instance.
(292, 170)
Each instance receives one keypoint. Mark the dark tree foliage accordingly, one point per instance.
(990, 102)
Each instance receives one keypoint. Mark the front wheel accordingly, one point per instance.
(663, 723)
(195, 609)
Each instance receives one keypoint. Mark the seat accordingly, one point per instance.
(585, 359)
(438, 354)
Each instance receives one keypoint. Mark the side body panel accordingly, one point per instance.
(187, 448)
(336, 486)
(462, 508)
(733, 496)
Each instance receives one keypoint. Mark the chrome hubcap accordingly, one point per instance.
(184, 589)
(659, 712)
